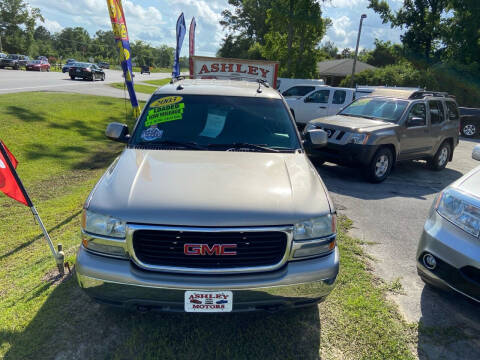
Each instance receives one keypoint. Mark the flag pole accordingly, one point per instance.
(59, 256)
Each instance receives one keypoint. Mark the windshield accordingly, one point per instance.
(35, 62)
(82, 65)
(216, 123)
(298, 91)
(14, 57)
(390, 110)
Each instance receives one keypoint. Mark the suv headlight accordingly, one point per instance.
(358, 139)
(98, 224)
(455, 207)
(314, 237)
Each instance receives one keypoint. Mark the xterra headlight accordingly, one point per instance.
(358, 139)
(314, 237)
(456, 208)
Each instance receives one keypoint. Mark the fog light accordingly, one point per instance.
(429, 261)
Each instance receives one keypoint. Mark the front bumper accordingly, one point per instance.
(457, 255)
(349, 154)
(120, 282)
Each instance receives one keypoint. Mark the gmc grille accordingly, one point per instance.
(166, 248)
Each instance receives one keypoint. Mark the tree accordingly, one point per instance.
(328, 50)
(385, 53)
(462, 32)
(295, 30)
(346, 53)
(17, 25)
(422, 21)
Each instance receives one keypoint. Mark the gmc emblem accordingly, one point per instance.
(215, 249)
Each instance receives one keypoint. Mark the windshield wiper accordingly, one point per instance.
(262, 147)
(167, 143)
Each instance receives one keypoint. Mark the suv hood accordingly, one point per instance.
(470, 183)
(210, 188)
(347, 123)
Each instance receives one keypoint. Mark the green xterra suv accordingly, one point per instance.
(376, 131)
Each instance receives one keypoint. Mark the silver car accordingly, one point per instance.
(448, 254)
(212, 207)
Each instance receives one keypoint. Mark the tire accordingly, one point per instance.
(72, 77)
(380, 166)
(92, 78)
(441, 158)
(103, 77)
(470, 129)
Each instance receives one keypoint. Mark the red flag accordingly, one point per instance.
(191, 44)
(8, 182)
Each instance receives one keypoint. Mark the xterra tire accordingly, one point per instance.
(441, 158)
(380, 166)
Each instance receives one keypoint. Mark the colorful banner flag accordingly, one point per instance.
(191, 43)
(119, 26)
(181, 30)
(9, 184)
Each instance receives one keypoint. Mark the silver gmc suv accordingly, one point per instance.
(213, 206)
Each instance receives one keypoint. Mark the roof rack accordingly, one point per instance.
(425, 93)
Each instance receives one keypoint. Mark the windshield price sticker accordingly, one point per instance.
(208, 301)
(158, 115)
(168, 100)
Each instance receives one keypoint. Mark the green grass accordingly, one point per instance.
(145, 89)
(60, 144)
(159, 82)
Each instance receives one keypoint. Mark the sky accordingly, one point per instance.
(153, 21)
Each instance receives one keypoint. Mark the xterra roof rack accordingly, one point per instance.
(425, 93)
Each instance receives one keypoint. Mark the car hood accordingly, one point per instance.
(352, 123)
(210, 188)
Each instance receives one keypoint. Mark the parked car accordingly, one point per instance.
(285, 83)
(375, 132)
(145, 70)
(448, 254)
(67, 65)
(103, 65)
(2, 55)
(44, 58)
(38, 65)
(14, 61)
(319, 102)
(469, 122)
(86, 71)
(213, 198)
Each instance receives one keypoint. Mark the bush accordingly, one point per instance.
(462, 81)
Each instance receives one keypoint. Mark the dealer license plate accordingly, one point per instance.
(208, 301)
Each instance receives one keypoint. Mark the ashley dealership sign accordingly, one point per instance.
(235, 69)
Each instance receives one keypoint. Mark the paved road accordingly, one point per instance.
(391, 215)
(19, 81)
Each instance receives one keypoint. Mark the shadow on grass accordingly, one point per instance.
(70, 326)
(25, 114)
(25, 244)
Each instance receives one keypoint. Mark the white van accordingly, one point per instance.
(285, 84)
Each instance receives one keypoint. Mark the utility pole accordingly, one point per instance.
(352, 78)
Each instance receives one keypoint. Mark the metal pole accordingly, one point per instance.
(59, 257)
(352, 78)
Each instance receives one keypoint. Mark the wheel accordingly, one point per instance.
(380, 166)
(92, 78)
(72, 77)
(441, 158)
(469, 129)
(16, 67)
(103, 77)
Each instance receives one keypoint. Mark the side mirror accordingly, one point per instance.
(117, 132)
(317, 137)
(416, 121)
(476, 153)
